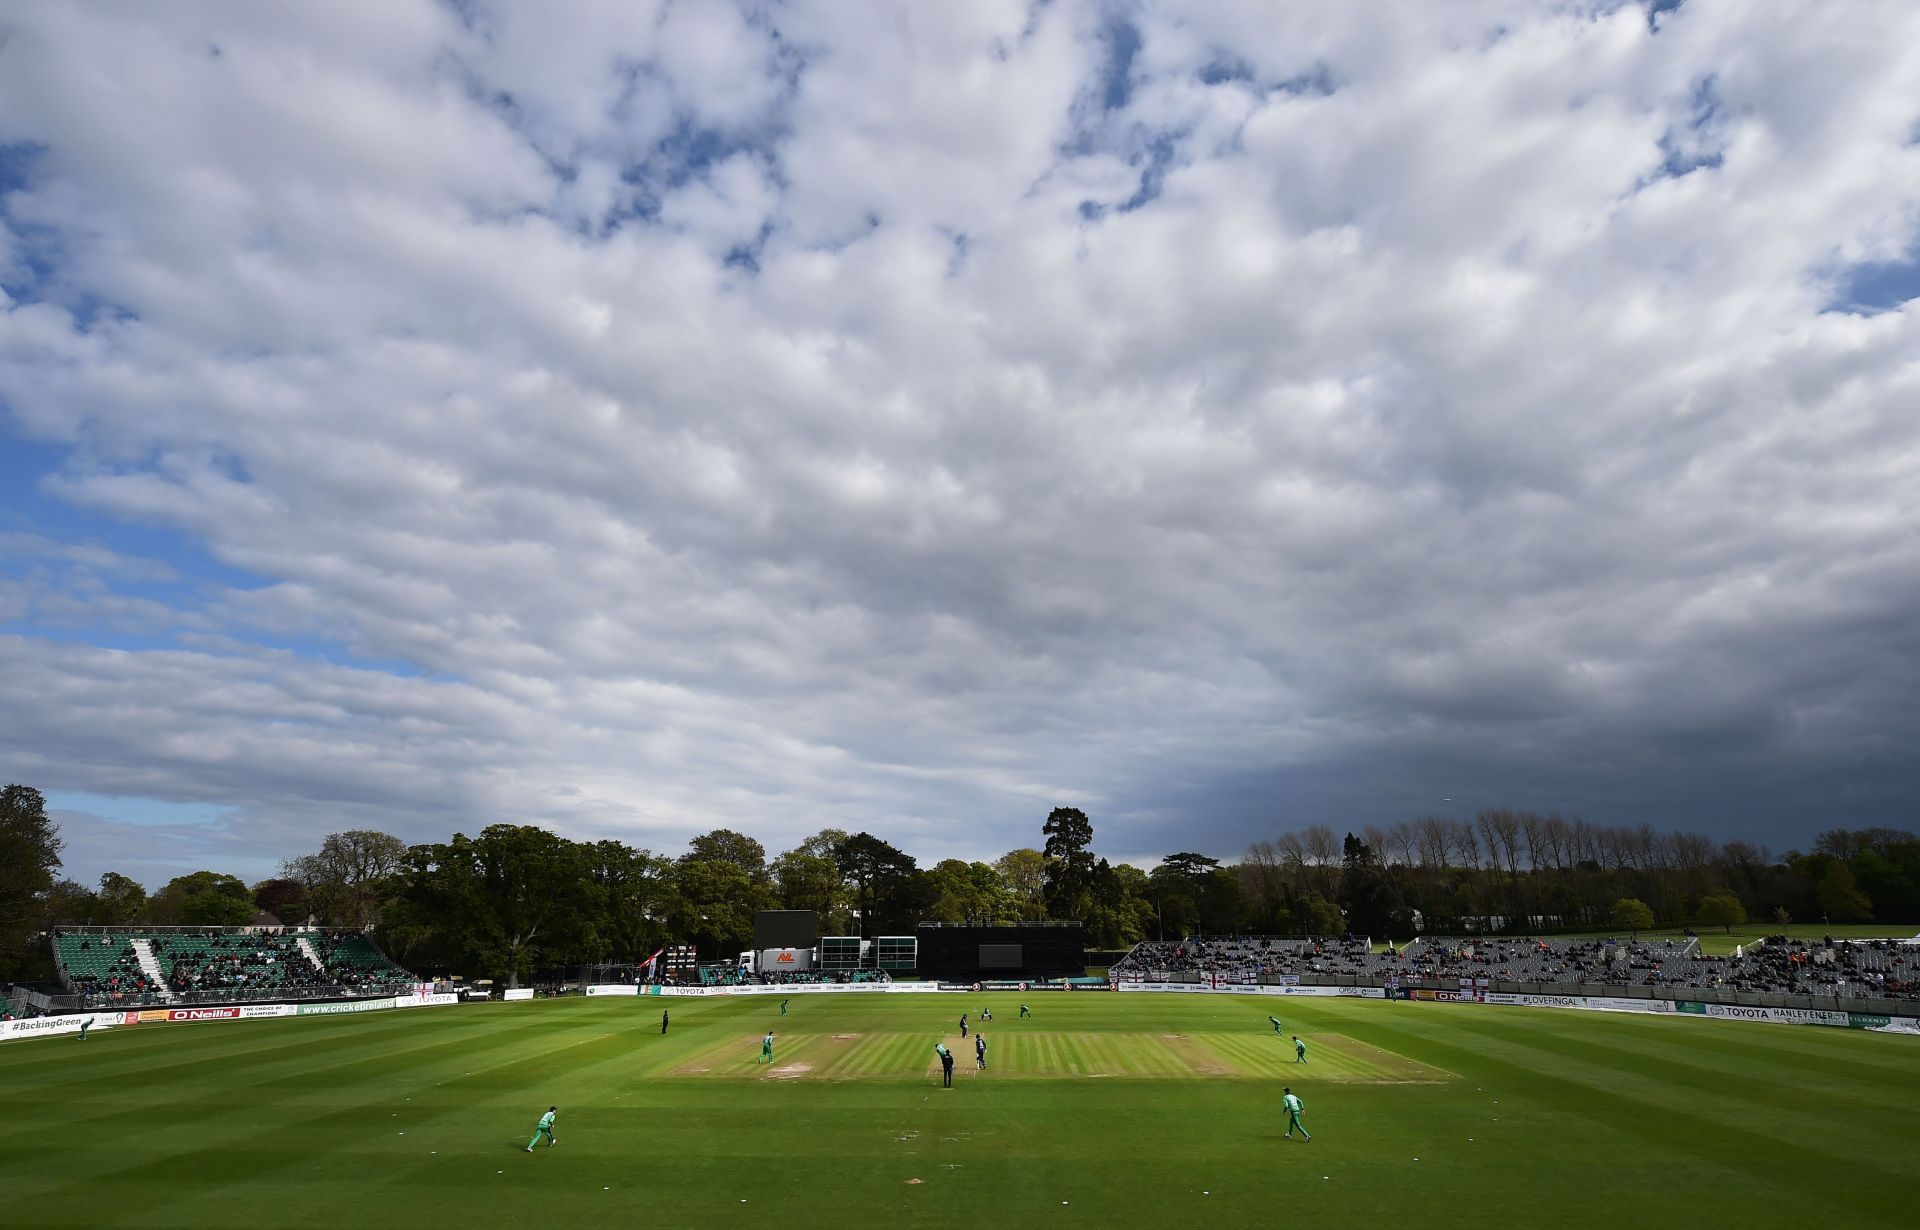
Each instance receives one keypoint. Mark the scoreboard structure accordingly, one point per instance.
(954, 952)
(785, 929)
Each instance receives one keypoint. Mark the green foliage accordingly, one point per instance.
(1121, 912)
(29, 854)
(633, 897)
(508, 902)
(1025, 873)
(287, 900)
(969, 892)
(727, 846)
(68, 903)
(886, 886)
(119, 900)
(214, 910)
(806, 881)
(1721, 910)
(1070, 862)
(1370, 902)
(202, 899)
(352, 877)
(1840, 896)
(500, 900)
(717, 900)
(1888, 876)
(1632, 915)
(1317, 916)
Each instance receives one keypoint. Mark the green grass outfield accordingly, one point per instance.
(1106, 1110)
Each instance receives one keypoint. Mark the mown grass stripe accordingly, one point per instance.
(1641, 1110)
(1593, 1127)
(1652, 1073)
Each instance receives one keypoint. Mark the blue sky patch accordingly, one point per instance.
(1877, 286)
(1159, 157)
(1655, 8)
(1698, 142)
(1122, 42)
(148, 813)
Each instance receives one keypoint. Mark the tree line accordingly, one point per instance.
(512, 899)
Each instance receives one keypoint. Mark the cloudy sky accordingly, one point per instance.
(636, 418)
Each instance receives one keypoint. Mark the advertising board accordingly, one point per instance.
(355, 1005)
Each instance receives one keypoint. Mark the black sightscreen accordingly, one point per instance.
(1000, 956)
(952, 953)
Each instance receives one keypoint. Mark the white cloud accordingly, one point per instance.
(1435, 419)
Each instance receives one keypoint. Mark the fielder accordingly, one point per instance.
(545, 1128)
(1292, 1103)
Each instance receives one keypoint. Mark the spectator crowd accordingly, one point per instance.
(1869, 969)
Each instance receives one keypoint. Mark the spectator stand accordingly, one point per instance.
(109, 967)
(1867, 976)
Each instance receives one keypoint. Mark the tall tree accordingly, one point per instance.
(352, 876)
(727, 846)
(119, 900)
(68, 904)
(717, 903)
(203, 899)
(1315, 915)
(1322, 857)
(498, 900)
(1187, 899)
(29, 854)
(632, 899)
(1025, 873)
(806, 881)
(1840, 895)
(1070, 862)
(1367, 896)
(968, 892)
(287, 900)
(881, 877)
(823, 843)
(1721, 909)
(1185, 866)
(1263, 884)
(1119, 914)
(1632, 915)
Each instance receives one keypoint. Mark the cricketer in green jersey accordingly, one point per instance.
(766, 1048)
(1293, 1106)
(84, 1027)
(545, 1128)
(783, 1007)
(1299, 1050)
(1025, 1012)
(1277, 1026)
